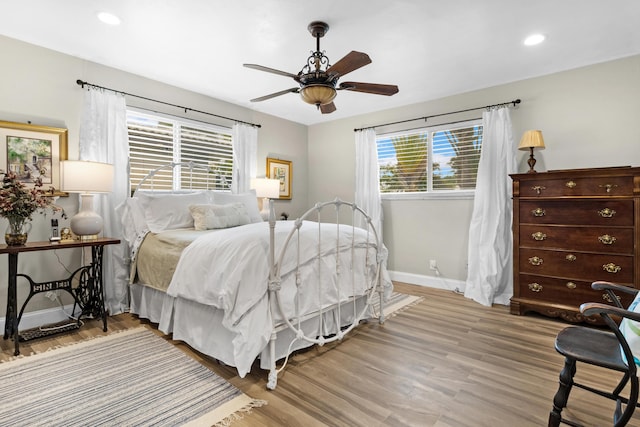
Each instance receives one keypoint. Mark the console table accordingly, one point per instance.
(88, 294)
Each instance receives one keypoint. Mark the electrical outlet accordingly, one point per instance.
(52, 295)
(433, 265)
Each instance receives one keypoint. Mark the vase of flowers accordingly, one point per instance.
(18, 203)
(17, 231)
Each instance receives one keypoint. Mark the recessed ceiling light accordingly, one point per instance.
(109, 18)
(534, 39)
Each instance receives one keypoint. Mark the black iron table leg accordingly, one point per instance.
(11, 320)
(98, 290)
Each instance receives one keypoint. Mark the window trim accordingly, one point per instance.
(437, 194)
(441, 194)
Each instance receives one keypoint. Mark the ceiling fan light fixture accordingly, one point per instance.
(318, 78)
(318, 94)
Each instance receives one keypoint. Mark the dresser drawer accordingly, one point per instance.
(566, 292)
(575, 238)
(592, 212)
(577, 265)
(579, 186)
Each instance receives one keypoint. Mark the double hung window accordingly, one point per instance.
(432, 160)
(156, 140)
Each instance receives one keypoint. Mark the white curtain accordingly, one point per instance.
(490, 277)
(104, 138)
(367, 177)
(245, 153)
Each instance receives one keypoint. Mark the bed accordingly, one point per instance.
(206, 268)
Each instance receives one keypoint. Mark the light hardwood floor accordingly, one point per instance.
(445, 362)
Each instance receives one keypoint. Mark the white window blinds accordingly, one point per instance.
(436, 159)
(157, 140)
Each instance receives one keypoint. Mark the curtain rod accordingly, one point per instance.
(514, 102)
(442, 124)
(82, 83)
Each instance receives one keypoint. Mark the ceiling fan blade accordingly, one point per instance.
(328, 108)
(271, 70)
(273, 95)
(350, 62)
(374, 88)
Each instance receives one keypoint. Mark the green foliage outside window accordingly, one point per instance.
(405, 166)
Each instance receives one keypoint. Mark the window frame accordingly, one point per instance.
(430, 194)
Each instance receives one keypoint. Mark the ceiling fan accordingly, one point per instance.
(318, 79)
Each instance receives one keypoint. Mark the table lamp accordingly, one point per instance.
(86, 178)
(530, 140)
(266, 189)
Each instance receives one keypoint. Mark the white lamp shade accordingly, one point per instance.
(78, 176)
(266, 187)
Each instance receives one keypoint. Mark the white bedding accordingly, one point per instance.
(217, 300)
(229, 270)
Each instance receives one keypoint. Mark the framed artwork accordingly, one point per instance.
(32, 151)
(281, 170)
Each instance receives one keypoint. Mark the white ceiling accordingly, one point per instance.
(429, 48)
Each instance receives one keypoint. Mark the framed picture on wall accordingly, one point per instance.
(281, 170)
(32, 151)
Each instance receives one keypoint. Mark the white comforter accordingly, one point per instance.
(229, 270)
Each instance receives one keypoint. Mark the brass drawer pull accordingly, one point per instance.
(608, 299)
(571, 285)
(611, 268)
(571, 184)
(535, 287)
(535, 260)
(571, 257)
(608, 187)
(538, 212)
(539, 235)
(605, 239)
(538, 188)
(606, 213)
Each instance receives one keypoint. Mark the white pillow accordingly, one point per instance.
(248, 199)
(631, 331)
(169, 211)
(132, 219)
(207, 217)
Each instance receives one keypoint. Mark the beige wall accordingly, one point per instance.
(39, 86)
(588, 117)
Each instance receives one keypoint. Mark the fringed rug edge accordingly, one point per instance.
(70, 346)
(227, 413)
(401, 306)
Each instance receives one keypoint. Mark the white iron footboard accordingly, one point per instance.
(344, 276)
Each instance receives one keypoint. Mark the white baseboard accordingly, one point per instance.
(37, 318)
(428, 281)
(47, 316)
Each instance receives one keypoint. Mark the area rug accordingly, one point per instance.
(129, 378)
(396, 303)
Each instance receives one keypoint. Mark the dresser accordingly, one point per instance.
(571, 228)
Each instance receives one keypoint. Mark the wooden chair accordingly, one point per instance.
(601, 348)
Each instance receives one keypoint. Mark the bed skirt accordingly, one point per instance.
(200, 326)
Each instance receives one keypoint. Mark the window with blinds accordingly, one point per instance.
(431, 160)
(156, 140)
